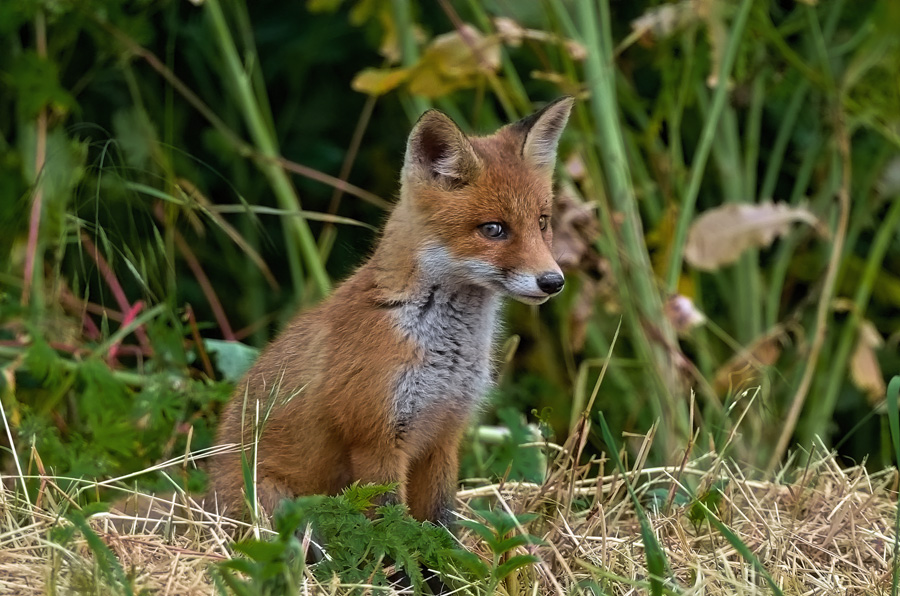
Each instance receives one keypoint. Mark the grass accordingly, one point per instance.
(815, 526)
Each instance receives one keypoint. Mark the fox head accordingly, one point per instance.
(484, 203)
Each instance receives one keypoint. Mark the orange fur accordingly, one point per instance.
(353, 390)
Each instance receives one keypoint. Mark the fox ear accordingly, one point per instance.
(440, 150)
(542, 131)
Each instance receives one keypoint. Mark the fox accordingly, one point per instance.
(377, 384)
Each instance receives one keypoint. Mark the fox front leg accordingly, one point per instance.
(432, 481)
(373, 465)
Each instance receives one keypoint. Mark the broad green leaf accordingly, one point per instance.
(512, 564)
(233, 358)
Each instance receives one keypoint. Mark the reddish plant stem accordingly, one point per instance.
(205, 286)
(40, 156)
(198, 343)
(75, 306)
(129, 317)
(112, 281)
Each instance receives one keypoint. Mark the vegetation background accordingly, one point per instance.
(176, 177)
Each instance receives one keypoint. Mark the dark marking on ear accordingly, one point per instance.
(440, 150)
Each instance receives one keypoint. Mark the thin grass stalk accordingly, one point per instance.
(515, 89)
(779, 269)
(634, 273)
(828, 288)
(818, 418)
(298, 236)
(893, 396)
(710, 128)
(789, 120)
(738, 294)
(409, 52)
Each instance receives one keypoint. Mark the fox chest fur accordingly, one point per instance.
(453, 330)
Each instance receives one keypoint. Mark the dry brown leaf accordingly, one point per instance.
(744, 368)
(720, 235)
(660, 22)
(575, 228)
(864, 368)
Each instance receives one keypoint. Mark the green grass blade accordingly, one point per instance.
(893, 394)
(710, 127)
(739, 546)
(657, 564)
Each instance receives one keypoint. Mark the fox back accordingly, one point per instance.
(377, 383)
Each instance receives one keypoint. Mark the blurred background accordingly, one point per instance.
(178, 178)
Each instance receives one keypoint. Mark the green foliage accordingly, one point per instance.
(502, 533)
(357, 546)
(107, 577)
(233, 359)
(513, 455)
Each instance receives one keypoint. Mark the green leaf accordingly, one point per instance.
(512, 564)
(742, 549)
(260, 550)
(62, 171)
(486, 533)
(109, 565)
(44, 363)
(35, 81)
(468, 560)
(233, 358)
(516, 541)
(323, 5)
(378, 81)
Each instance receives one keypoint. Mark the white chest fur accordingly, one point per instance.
(453, 328)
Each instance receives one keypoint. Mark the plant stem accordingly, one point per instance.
(710, 127)
(834, 261)
(296, 228)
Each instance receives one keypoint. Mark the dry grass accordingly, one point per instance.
(818, 529)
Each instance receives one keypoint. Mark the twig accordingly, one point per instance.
(834, 263)
(205, 285)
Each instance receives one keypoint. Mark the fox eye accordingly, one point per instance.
(492, 230)
(543, 221)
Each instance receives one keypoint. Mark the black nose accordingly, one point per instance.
(551, 283)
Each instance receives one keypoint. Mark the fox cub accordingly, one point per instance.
(377, 383)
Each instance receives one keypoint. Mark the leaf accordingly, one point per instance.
(455, 60)
(323, 5)
(719, 236)
(744, 368)
(864, 368)
(512, 564)
(62, 171)
(482, 530)
(660, 22)
(260, 550)
(378, 81)
(233, 358)
(516, 541)
(35, 81)
(135, 136)
(107, 562)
